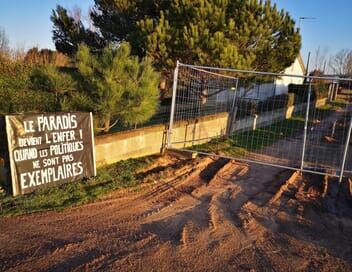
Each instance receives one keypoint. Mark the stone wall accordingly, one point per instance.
(151, 140)
(198, 131)
(129, 144)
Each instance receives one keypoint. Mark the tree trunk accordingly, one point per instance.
(162, 88)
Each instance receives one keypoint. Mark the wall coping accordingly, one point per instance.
(199, 119)
(122, 135)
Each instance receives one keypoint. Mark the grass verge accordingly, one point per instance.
(109, 178)
(326, 110)
(265, 136)
(242, 142)
(252, 140)
(125, 173)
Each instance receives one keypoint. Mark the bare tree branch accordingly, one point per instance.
(341, 63)
(4, 42)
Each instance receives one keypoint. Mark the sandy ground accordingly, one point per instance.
(198, 215)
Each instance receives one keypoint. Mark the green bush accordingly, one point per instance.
(246, 107)
(319, 90)
(273, 103)
(25, 101)
(16, 96)
(300, 91)
(116, 86)
(249, 107)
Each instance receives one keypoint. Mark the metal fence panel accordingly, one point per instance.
(291, 121)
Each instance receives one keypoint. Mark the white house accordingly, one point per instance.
(262, 91)
(279, 86)
(297, 68)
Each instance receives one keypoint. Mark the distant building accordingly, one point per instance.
(297, 68)
(261, 91)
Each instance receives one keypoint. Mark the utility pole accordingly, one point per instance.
(299, 27)
(307, 66)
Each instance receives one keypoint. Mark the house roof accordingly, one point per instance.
(301, 63)
(297, 64)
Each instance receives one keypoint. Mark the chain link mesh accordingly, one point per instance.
(290, 121)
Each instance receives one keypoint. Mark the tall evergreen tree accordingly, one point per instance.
(115, 86)
(245, 34)
(69, 32)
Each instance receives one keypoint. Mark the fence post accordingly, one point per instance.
(232, 111)
(174, 88)
(346, 150)
(306, 125)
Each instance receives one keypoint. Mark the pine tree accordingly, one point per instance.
(244, 34)
(69, 32)
(50, 79)
(115, 86)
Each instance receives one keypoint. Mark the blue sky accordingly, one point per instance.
(27, 22)
(331, 30)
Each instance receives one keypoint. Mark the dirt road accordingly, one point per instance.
(198, 215)
(320, 155)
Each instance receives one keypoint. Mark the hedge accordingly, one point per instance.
(249, 107)
(319, 90)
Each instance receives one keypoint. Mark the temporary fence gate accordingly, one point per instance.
(266, 124)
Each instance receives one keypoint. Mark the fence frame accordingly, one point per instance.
(347, 144)
(306, 125)
(173, 104)
(233, 111)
